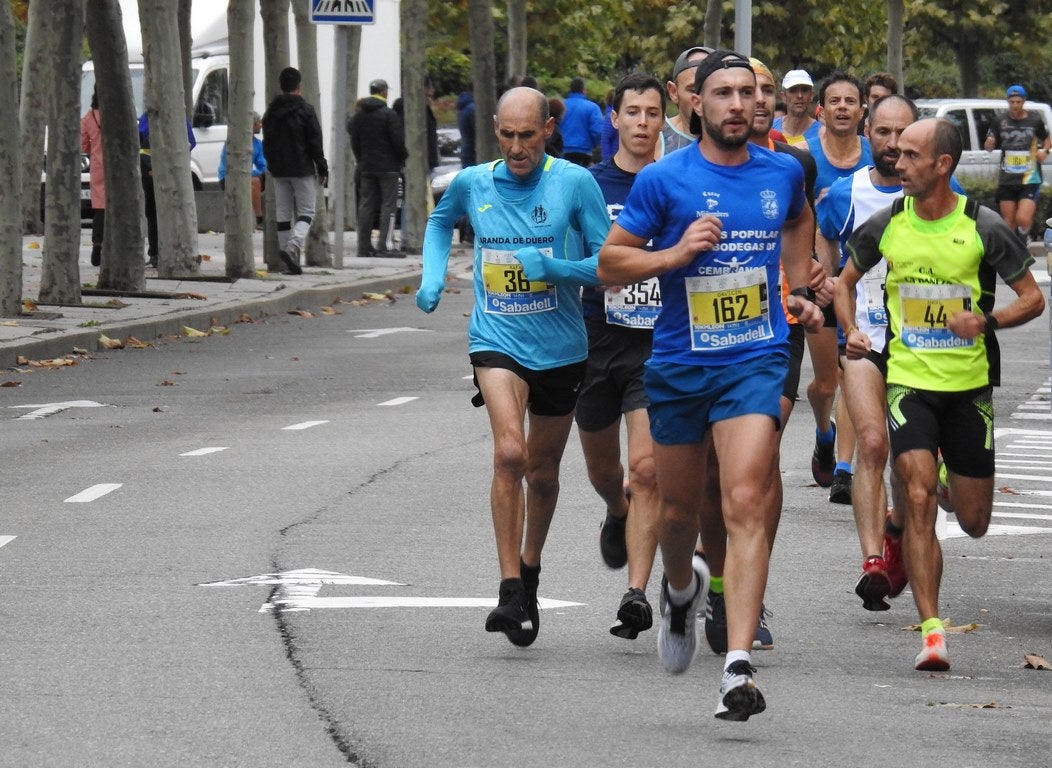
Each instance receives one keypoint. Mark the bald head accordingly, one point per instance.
(522, 98)
(522, 125)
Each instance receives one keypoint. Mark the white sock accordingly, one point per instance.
(683, 596)
(733, 656)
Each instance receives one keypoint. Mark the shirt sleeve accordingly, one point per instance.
(863, 247)
(1002, 249)
(833, 209)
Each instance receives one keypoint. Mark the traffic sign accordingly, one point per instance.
(343, 11)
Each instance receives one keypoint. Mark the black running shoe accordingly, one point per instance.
(612, 542)
(510, 614)
(716, 623)
(823, 460)
(634, 616)
(530, 580)
(840, 490)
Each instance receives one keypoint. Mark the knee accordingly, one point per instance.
(509, 457)
(642, 476)
(919, 499)
(872, 446)
(821, 387)
(543, 477)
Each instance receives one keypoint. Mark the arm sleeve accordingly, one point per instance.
(259, 162)
(438, 235)
(832, 210)
(222, 162)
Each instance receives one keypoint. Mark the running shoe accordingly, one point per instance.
(740, 699)
(292, 266)
(716, 623)
(678, 635)
(612, 542)
(874, 584)
(530, 580)
(840, 490)
(763, 640)
(823, 460)
(942, 487)
(510, 614)
(893, 562)
(933, 656)
(634, 616)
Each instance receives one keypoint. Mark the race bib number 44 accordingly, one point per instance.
(926, 310)
(508, 291)
(729, 309)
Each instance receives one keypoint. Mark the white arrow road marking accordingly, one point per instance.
(48, 409)
(306, 603)
(399, 401)
(374, 333)
(305, 425)
(6, 540)
(94, 492)
(204, 451)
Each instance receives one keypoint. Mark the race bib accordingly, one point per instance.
(634, 306)
(926, 310)
(506, 289)
(872, 285)
(1017, 161)
(729, 309)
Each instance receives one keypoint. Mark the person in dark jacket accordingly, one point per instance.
(466, 126)
(292, 146)
(378, 144)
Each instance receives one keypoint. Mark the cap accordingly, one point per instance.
(378, 86)
(760, 68)
(1016, 90)
(683, 61)
(796, 77)
(721, 59)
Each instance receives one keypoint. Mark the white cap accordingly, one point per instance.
(796, 77)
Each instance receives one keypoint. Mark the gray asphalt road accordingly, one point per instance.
(113, 654)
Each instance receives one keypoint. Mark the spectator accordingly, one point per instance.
(378, 144)
(146, 172)
(582, 125)
(554, 145)
(293, 148)
(259, 168)
(466, 126)
(610, 142)
(91, 145)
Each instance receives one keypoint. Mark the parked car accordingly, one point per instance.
(973, 117)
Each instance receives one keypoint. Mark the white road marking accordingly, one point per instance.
(373, 333)
(94, 492)
(1021, 505)
(375, 601)
(205, 451)
(6, 540)
(1023, 516)
(399, 401)
(49, 409)
(1038, 478)
(1032, 416)
(305, 425)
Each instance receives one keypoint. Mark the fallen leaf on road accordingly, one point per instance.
(79, 351)
(10, 323)
(34, 246)
(198, 296)
(205, 257)
(160, 408)
(988, 705)
(166, 383)
(219, 330)
(58, 362)
(406, 289)
(244, 317)
(22, 360)
(29, 305)
(107, 343)
(117, 304)
(300, 313)
(1033, 661)
(380, 296)
(328, 311)
(135, 343)
(1005, 489)
(192, 333)
(11, 384)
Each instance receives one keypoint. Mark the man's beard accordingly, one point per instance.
(723, 141)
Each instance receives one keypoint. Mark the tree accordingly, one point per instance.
(316, 252)
(896, 26)
(239, 221)
(275, 15)
(517, 37)
(32, 113)
(122, 265)
(484, 71)
(414, 212)
(10, 175)
(60, 275)
(169, 149)
(713, 23)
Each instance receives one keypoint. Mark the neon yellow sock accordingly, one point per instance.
(716, 585)
(928, 625)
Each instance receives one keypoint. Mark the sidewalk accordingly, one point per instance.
(54, 331)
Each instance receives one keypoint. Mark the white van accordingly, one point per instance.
(973, 117)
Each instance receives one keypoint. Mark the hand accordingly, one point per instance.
(806, 312)
(856, 344)
(822, 284)
(703, 234)
(534, 264)
(428, 296)
(966, 324)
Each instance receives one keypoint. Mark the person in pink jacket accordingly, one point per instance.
(91, 145)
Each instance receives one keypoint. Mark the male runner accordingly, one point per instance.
(676, 132)
(942, 251)
(527, 340)
(798, 92)
(719, 216)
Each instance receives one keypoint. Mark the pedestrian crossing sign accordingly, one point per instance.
(343, 11)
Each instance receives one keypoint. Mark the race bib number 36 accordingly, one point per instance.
(729, 309)
(506, 289)
(926, 310)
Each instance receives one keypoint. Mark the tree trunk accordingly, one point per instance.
(969, 53)
(317, 252)
(275, 15)
(354, 47)
(713, 23)
(239, 221)
(484, 74)
(186, 43)
(32, 113)
(169, 149)
(896, 25)
(516, 37)
(414, 66)
(10, 175)
(122, 263)
(60, 274)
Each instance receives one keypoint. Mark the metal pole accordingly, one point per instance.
(338, 178)
(743, 27)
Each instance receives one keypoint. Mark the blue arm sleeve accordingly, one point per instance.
(222, 162)
(438, 239)
(259, 162)
(537, 266)
(190, 135)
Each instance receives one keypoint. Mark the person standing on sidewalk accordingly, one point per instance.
(91, 145)
(292, 146)
(942, 252)
(378, 144)
(526, 339)
(581, 126)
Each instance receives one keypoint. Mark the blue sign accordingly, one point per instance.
(343, 11)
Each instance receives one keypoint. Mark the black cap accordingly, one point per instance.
(377, 86)
(683, 61)
(717, 60)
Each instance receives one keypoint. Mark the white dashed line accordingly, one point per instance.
(305, 425)
(399, 401)
(204, 451)
(6, 540)
(94, 492)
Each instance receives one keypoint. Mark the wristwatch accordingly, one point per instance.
(803, 293)
(991, 322)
